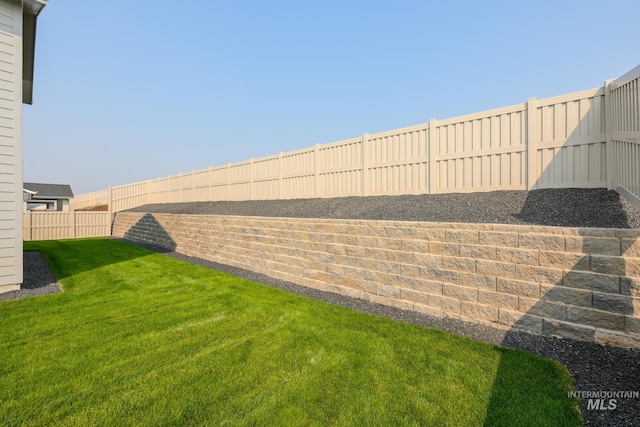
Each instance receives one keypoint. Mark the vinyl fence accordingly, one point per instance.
(65, 225)
(624, 146)
(542, 143)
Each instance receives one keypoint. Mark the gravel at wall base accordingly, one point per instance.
(38, 278)
(568, 207)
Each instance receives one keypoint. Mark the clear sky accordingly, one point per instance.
(127, 91)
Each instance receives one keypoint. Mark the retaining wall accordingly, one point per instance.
(579, 283)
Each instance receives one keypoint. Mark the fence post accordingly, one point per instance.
(30, 226)
(109, 199)
(73, 223)
(316, 170)
(608, 126)
(229, 181)
(251, 179)
(366, 186)
(210, 199)
(532, 138)
(433, 171)
(280, 192)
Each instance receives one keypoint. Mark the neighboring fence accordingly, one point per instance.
(65, 225)
(624, 146)
(89, 200)
(548, 143)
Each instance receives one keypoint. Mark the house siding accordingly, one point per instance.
(10, 145)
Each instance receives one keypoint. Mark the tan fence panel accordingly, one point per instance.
(625, 136)
(90, 200)
(397, 162)
(266, 178)
(340, 168)
(65, 225)
(571, 145)
(482, 152)
(201, 185)
(299, 174)
(240, 181)
(128, 196)
(92, 224)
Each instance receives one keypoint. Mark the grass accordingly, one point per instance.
(138, 338)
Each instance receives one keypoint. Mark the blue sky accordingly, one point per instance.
(132, 90)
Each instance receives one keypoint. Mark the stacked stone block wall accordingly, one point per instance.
(579, 283)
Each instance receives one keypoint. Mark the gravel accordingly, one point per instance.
(570, 207)
(38, 278)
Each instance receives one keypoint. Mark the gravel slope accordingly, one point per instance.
(557, 207)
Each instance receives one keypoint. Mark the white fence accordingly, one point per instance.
(624, 140)
(65, 225)
(548, 143)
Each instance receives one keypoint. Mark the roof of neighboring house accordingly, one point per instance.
(52, 191)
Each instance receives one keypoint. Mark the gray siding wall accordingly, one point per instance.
(10, 144)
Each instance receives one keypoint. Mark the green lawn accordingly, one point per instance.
(138, 338)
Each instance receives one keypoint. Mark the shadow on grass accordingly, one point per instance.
(62, 258)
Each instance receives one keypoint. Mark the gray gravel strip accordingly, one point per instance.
(569, 207)
(594, 367)
(38, 278)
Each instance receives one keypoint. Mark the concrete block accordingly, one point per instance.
(446, 276)
(632, 324)
(630, 286)
(541, 308)
(591, 281)
(615, 303)
(533, 273)
(520, 322)
(450, 306)
(462, 293)
(517, 255)
(497, 238)
(614, 265)
(467, 265)
(496, 299)
(543, 242)
(564, 295)
(427, 260)
(495, 268)
(392, 244)
(375, 253)
(427, 286)
(431, 235)
(564, 260)
(399, 281)
(560, 329)
(479, 311)
(388, 291)
(617, 339)
(478, 252)
(419, 246)
(593, 245)
(478, 281)
(462, 236)
(595, 318)
(448, 249)
(388, 267)
(428, 310)
(518, 287)
(414, 296)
